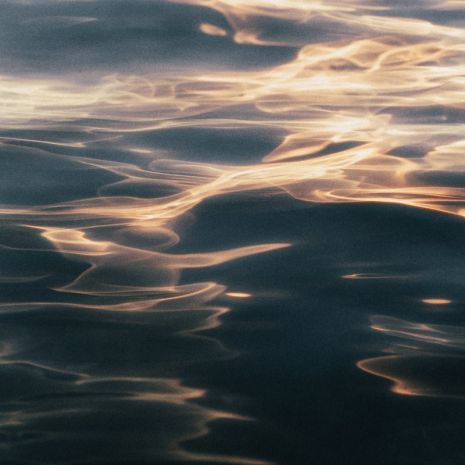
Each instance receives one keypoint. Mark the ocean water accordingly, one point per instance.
(231, 232)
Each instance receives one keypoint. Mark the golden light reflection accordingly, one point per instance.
(238, 295)
(212, 30)
(367, 276)
(436, 301)
(384, 367)
(424, 356)
(353, 107)
(419, 375)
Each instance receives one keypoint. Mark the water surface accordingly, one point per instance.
(232, 232)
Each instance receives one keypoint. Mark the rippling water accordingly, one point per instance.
(232, 232)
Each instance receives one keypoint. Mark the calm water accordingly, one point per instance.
(232, 232)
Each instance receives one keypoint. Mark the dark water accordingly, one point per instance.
(232, 232)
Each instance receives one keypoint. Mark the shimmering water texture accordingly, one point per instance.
(232, 232)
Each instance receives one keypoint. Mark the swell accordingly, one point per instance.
(370, 112)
